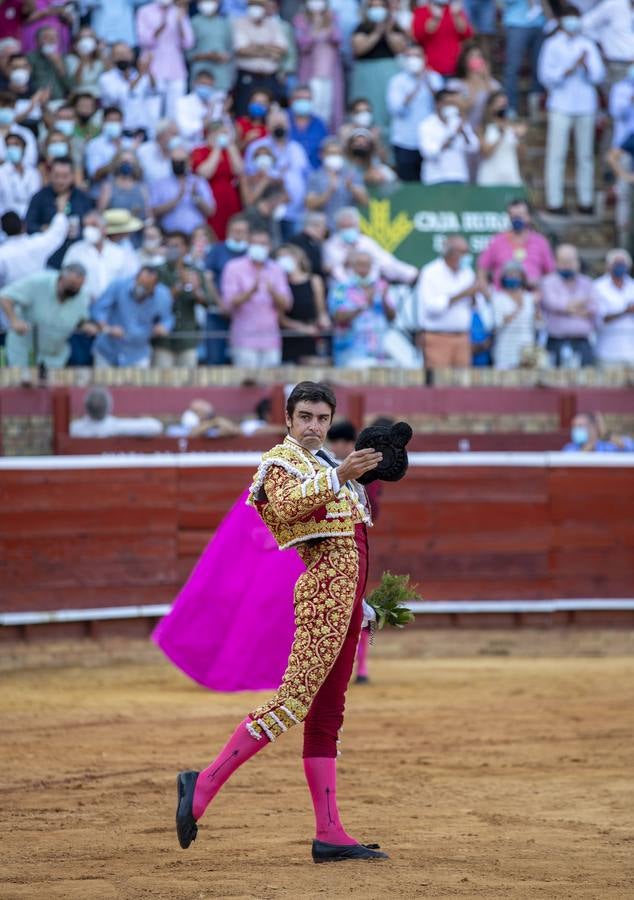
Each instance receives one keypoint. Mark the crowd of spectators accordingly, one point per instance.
(180, 183)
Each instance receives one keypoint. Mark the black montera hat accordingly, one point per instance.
(390, 440)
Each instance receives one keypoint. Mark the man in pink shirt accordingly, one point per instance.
(522, 244)
(254, 291)
(570, 308)
(164, 29)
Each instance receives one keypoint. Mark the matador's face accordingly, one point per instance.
(310, 423)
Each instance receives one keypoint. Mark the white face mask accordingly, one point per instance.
(165, 2)
(316, 6)
(256, 12)
(259, 253)
(91, 234)
(264, 162)
(208, 7)
(50, 48)
(451, 113)
(377, 14)
(190, 419)
(20, 77)
(86, 44)
(334, 162)
(363, 118)
(413, 64)
(279, 212)
(287, 263)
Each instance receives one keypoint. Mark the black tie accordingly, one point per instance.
(323, 455)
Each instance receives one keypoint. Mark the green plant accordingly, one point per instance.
(389, 600)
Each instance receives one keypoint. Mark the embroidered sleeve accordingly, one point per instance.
(293, 498)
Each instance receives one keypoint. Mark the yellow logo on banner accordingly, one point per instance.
(389, 233)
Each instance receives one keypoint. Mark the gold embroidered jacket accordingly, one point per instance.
(294, 495)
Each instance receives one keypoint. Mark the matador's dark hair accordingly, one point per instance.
(312, 392)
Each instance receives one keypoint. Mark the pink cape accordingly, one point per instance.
(231, 627)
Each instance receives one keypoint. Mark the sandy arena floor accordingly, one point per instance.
(495, 777)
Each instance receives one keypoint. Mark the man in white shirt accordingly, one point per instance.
(444, 140)
(570, 68)
(347, 238)
(18, 181)
(622, 108)
(204, 103)
(98, 421)
(609, 23)
(102, 150)
(615, 293)
(155, 156)
(103, 260)
(410, 99)
(132, 90)
(445, 292)
(22, 254)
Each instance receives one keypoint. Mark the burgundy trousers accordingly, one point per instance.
(325, 716)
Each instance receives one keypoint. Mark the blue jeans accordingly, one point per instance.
(481, 14)
(519, 42)
(216, 347)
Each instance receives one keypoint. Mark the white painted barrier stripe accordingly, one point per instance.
(251, 460)
(467, 607)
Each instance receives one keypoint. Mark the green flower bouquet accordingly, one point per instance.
(389, 600)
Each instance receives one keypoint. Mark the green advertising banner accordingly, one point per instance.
(411, 220)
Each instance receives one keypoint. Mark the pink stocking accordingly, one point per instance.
(362, 653)
(321, 775)
(240, 747)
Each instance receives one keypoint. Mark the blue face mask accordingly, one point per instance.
(56, 149)
(65, 126)
(204, 91)
(236, 246)
(350, 235)
(579, 435)
(619, 269)
(571, 24)
(377, 14)
(630, 73)
(6, 116)
(257, 110)
(112, 130)
(466, 261)
(511, 284)
(518, 225)
(567, 274)
(302, 106)
(14, 154)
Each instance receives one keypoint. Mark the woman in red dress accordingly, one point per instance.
(219, 161)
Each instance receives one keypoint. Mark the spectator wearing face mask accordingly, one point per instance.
(336, 184)
(410, 99)
(444, 142)
(514, 315)
(361, 116)
(9, 125)
(252, 126)
(254, 293)
(130, 88)
(445, 293)
(43, 14)
(60, 194)
(441, 27)
(521, 244)
(164, 31)
(361, 310)
(124, 189)
(260, 47)
(569, 304)
(235, 245)
(220, 162)
(56, 146)
(47, 65)
(152, 250)
(43, 310)
(615, 329)
(376, 43)
(307, 318)
(182, 201)
(261, 176)
(213, 45)
(204, 103)
(84, 65)
(500, 139)
(319, 39)
(27, 103)
(364, 157)
(347, 237)
(586, 436)
(103, 260)
(103, 150)
(473, 84)
(305, 127)
(290, 165)
(570, 68)
(129, 313)
(18, 181)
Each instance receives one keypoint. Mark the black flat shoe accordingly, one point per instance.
(339, 852)
(186, 827)
(362, 679)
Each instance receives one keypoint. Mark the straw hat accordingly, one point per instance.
(121, 221)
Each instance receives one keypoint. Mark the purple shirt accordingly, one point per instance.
(186, 215)
(535, 256)
(255, 323)
(168, 61)
(557, 294)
